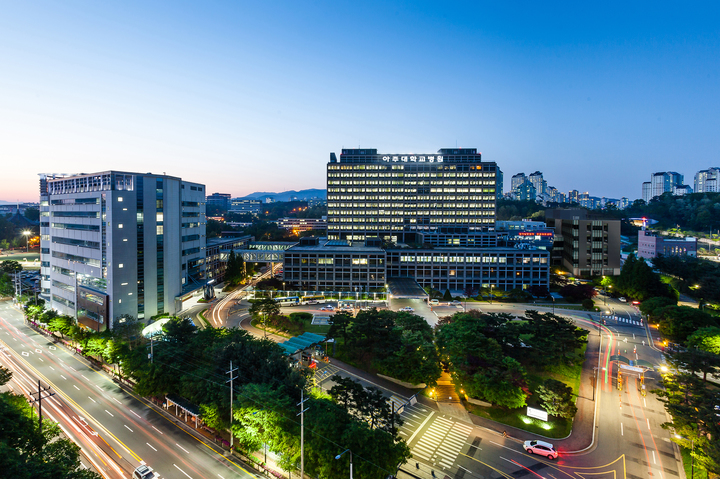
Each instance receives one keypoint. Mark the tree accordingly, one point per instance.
(447, 296)
(679, 322)
(127, 329)
(578, 292)
(415, 361)
(557, 398)
(552, 337)
(341, 322)
(651, 306)
(5, 375)
(7, 288)
(706, 339)
(588, 304)
(266, 307)
(10, 266)
(29, 453)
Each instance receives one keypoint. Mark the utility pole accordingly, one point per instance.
(230, 372)
(39, 399)
(302, 433)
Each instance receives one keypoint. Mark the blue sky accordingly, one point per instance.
(253, 96)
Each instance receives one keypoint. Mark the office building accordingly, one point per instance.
(650, 245)
(396, 196)
(244, 205)
(585, 243)
(297, 225)
(425, 218)
(217, 252)
(115, 243)
(706, 181)
(220, 200)
(525, 234)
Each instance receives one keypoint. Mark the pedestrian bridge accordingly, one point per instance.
(265, 251)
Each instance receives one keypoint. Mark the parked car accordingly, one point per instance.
(327, 308)
(143, 472)
(622, 299)
(434, 302)
(541, 448)
(407, 309)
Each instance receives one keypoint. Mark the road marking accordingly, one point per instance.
(654, 461)
(52, 368)
(92, 399)
(421, 426)
(86, 379)
(116, 401)
(63, 377)
(111, 414)
(158, 430)
(468, 470)
(648, 421)
(128, 428)
(138, 415)
(186, 451)
(76, 387)
(220, 476)
(621, 430)
(182, 471)
(645, 402)
(151, 446)
(41, 359)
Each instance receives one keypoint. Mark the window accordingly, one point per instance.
(120, 265)
(120, 199)
(120, 226)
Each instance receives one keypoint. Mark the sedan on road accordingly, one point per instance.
(327, 308)
(541, 448)
(407, 309)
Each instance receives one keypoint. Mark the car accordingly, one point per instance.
(622, 299)
(434, 302)
(456, 302)
(327, 307)
(312, 301)
(407, 309)
(541, 448)
(143, 472)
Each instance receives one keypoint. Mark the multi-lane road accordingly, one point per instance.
(117, 431)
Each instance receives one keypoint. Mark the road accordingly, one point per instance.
(628, 442)
(129, 431)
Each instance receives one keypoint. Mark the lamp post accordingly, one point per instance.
(553, 300)
(341, 454)
(27, 234)
(491, 292)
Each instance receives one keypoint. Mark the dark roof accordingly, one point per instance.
(21, 221)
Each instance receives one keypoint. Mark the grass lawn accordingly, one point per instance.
(555, 427)
(699, 472)
(294, 330)
(202, 317)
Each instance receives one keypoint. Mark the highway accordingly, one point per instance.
(88, 402)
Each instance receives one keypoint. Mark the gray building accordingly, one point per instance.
(585, 243)
(661, 182)
(115, 243)
(706, 181)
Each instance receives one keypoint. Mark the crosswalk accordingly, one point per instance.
(628, 321)
(442, 442)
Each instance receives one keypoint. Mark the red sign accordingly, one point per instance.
(535, 233)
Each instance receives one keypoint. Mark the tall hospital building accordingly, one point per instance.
(426, 217)
(115, 243)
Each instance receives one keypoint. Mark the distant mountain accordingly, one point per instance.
(287, 195)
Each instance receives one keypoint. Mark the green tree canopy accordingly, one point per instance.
(706, 339)
(557, 398)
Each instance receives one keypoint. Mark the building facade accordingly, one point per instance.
(217, 252)
(396, 196)
(661, 182)
(221, 200)
(706, 181)
(115, 243)
(243, 205)
(650, 245)
(303, 224)
(586, 244)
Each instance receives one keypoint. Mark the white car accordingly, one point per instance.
(541, 448)
(434, 302)
(622, 300)
(407, 309)
(327, 308)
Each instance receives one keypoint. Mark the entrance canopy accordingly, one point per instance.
(298, 343)
(406, 288)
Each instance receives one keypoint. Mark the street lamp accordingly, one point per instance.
(553, 300)
(341, 454)
(27, 234)
(491, 292)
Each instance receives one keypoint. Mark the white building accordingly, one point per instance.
(706, 181)
(116, 243)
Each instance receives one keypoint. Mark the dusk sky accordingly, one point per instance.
(253, 96)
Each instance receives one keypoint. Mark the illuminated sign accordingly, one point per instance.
(537, 413)
(534, 233)
(414, 159)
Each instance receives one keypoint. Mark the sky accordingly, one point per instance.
(253, 96)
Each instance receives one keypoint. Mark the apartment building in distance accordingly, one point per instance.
(586, 244)
(706, 181)
(115, 243)
(661, 182)
(428, 217)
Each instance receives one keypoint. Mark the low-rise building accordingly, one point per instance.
(650, 245)
(217, 252)
(303, 224)
(244, 205)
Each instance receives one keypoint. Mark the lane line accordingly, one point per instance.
(186, 451)
(128, 428)
(158, 430)
(182, 471)
(151, 446)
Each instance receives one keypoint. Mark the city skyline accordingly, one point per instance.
(250, 98)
